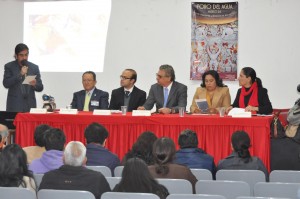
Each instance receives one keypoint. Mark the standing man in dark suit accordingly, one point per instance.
(90, 98)
(21, 97)
(167, 94)
(128, 94)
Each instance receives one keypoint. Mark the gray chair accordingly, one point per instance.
(202, 174)
(38, 179)
(253, 197)
(285, 176)
(16, 193)
(113, 181)
(176, 185)
(250, 176)
(125, 195)
(228, 189)
(276, 189)
(118, 171)
(64, 194)
(102, 169)
(194, 196)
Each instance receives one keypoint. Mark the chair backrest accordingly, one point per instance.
(64, 194)
(250, 176)
(124, 195)
(176, 185)
(202, 174)
(253, 197)
(38, 179)
(285, 176)
(16, 193)
(118, 171)
(228, 189)
(112, 181)
(276, 189)
(194, 196)
(102, 169)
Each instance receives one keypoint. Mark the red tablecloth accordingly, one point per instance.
(213, 132)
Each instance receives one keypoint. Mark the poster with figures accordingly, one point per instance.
(214, 41)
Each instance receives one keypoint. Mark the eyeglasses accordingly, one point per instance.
(123, 77)
(160, 76)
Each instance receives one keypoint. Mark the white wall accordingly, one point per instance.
(143, 34)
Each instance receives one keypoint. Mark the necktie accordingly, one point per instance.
(166, 95)
(127, 93)
(87, 101)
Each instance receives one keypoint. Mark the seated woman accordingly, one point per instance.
(164, 154)
(136, 178)
(213, 90)
(252, 96)
(240, 158)
(142, 148)
(13, 168)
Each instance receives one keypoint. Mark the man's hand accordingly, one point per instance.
(141, 108)
(24, 70)
(164, 110)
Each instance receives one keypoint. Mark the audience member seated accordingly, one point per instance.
(192, 156)
(96, 136)
(213, 91)
(73, 175)
(136, 178)
(3, 136)
(164, 154)
(240, 158)
(142, 148)
(13, 168)
(252, 96)
(35, 152)
(52, 158)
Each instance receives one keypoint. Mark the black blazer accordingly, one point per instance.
(137, 98)
(98, 96)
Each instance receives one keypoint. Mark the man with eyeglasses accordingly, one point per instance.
(128, 94)
(90, 98)
(167, 94)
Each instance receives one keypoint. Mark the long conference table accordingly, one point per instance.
(214, 132)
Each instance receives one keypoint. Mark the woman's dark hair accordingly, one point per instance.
(240, 141)
(250, 72)
(215, 75)
(13, 166)
(137, 178)
(39, 134)
(142, 148)
(163, 153)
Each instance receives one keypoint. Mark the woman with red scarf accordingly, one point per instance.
(252, 96)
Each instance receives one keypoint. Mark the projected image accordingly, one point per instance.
(67, 36)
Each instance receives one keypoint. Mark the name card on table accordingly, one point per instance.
(101, 112)
(73, 111)
(239, 112)
(38, 110)
(244, 114)
(141, 113)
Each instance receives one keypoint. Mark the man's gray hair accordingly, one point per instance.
(3, 131)
(74, 154)
(168, 70)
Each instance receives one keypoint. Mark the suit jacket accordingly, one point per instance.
(98, 95)
(221, 97)
(177, 97)
(137, 98)
(20, 97)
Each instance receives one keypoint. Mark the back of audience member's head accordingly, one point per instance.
(163, 153)
(240, 141)
(75, 154)
(55, 139)
(143, 146)
(188, 139)
(95, 133)
(13, 166)
(137, 178)
(3, 135)
(39, 134)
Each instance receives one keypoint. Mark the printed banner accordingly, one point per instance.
(214, 42)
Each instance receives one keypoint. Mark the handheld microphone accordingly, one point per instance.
(24, 62)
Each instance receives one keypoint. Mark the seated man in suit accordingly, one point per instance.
(90, 98)
(167, 94)
(73, 175)
(128, 94)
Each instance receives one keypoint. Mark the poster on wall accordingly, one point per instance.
(214, 39)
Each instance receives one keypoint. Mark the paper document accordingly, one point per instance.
(239, 112)
(28, 79)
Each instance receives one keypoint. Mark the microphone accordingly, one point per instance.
(24, 62)
(298, 88)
